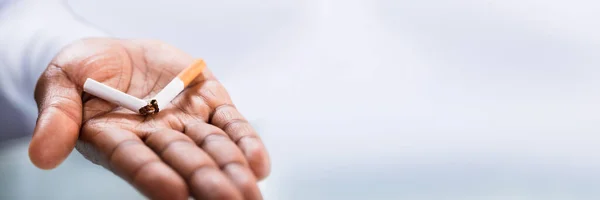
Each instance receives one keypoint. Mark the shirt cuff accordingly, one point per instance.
(32, 33)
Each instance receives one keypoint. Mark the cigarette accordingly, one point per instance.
(176, 86)
(160, 101)
(113, 95)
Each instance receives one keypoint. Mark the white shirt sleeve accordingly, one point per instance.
(32, 32)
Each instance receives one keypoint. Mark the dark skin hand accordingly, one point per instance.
(199, 146)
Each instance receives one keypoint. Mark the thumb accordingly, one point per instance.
(59, 120)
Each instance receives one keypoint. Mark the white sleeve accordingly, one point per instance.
(32, 32)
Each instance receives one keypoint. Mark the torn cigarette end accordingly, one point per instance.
(150, 109)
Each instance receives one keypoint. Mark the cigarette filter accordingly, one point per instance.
(113, 95)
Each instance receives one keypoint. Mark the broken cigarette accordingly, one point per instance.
(177, 85)
(113, 95)
(160, 101)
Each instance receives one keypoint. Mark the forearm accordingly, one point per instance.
(32, 32)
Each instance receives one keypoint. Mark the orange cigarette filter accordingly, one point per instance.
(190, 73)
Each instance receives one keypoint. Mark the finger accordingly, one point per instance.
(229, 119)
(224, 115)
(206, 181)
(128, 157)
(243, 178)
(216, 143)
(59, 120)
(226, 154)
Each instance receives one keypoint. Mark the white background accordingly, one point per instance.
(376, 99)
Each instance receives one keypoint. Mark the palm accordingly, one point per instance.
(180, 149)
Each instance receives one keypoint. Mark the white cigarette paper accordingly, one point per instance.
(179, 83)
(169, 92)
(113, 95)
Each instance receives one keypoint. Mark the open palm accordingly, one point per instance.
(199, 145)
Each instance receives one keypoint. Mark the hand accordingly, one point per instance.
(199, 146)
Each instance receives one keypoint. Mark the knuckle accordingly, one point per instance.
(162, 139)
(244, 179)
(146, 166)
(199, 132)
(224, 114)
(215, 137)
(212, 184)
(192, 127)
(239, 129)
(200, 172)
(173, 143)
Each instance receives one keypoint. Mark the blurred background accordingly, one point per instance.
(377, 99)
